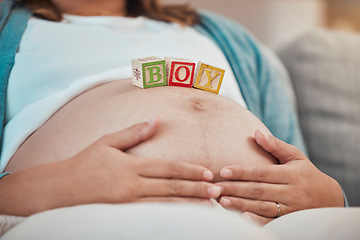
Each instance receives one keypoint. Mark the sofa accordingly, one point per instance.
(325, 88)
(324, 68)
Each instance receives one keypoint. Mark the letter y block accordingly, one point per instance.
(208, 78)
(148, 72)
(180, 72)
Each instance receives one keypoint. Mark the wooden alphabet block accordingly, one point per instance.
(180, 72)
(148, 72)
(208, 78)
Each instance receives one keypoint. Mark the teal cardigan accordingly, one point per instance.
(262, 91)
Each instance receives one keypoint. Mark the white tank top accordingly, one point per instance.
(57, 61)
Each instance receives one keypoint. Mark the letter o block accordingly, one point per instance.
(208, 78)
(148, 72)
(180, 72)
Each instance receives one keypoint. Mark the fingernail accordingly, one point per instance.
(225, 202)
(214, 191)
(226, 173)
(145, 131)
(208, 175)
(260, 133)
(152, 121)
(222, 189)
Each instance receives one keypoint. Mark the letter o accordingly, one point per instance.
(187, 74)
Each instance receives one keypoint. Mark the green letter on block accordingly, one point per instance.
(154, 74)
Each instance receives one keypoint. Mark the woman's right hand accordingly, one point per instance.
(117, 176)
(104, 173)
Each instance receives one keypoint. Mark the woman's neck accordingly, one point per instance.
(92, 7)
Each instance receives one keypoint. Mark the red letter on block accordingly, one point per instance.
(181, 72)
(177, 73)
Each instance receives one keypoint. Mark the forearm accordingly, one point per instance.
(104, 173)
(36, 189)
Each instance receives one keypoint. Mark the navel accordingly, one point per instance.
(199, 104)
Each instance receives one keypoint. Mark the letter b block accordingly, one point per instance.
(208, 78)
(148, 72)
(180, 72)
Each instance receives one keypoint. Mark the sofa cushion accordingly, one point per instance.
(325, 70)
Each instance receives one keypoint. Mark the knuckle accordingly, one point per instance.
(295, 177)
(256, 191)
(136, 188)
(135, 136)
(135, 163)
(302, 174)
(238, 204)
(277, 142)
(263, 208)
(274, 144)
(174, 188)
(259, 174)
(129, 191)
(132, 166)
(175, 169)
(196, 173)
(199, 189)
(137, 130)
(299, 176)
(238, 172)
(104, 139)
(297, 197)
(231, 189)
(305, 199)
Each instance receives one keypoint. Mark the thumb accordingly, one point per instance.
(279, 149)
(133, 135)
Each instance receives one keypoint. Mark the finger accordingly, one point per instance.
(174, 169)
(133, 135)
(256, 218)
(261, 208)
(256, 173)
(280, 150)
(202, 201)
(253, 190)
(153, 187)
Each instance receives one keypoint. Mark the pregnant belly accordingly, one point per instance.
(197, 127)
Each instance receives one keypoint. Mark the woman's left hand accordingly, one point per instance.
(263, 193)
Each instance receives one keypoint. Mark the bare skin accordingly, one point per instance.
(104, 173)
(296, 184)
(56, 145)
(197, 127)
(193, 130)
(92, 8)
(79, 177)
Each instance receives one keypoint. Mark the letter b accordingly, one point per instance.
(155, 70)
(149, 72)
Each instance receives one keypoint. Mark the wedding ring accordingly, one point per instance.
(278, 211)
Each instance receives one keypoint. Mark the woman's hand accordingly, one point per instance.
(104, 173)
(295, 184)
(121, 177)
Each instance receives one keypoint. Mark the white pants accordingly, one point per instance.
(156, 221)
(181, 221)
